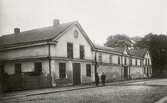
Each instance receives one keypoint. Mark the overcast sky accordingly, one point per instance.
(99, 18)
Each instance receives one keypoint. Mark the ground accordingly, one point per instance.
(148, 91)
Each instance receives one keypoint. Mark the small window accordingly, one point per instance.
(88, 70)
(82, 52)
(17, 68)
(38, 68)
(76, 34)
(62, 70)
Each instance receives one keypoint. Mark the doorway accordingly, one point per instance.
(76, 74)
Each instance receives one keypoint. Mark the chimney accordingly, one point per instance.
(56, 22)
(16, 30)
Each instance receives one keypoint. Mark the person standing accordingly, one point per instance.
(97, 79)
(103, 78)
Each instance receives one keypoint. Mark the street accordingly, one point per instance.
(148, 91)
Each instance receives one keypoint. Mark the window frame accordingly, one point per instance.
(100, 57)
(70, 50)
(82, 51)
(37, 68)
(62, 70)
(88, 70)
(17, 68)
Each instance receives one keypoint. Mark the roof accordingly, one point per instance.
(137, 52)
(110, 49)
(39, 34)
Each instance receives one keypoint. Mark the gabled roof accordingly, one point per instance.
(39, 34)
(137, 52)
(109, 49)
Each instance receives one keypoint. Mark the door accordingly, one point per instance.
(125, 73)
(76, 74)
(17, 78)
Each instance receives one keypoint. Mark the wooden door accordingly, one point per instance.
(76, 74)
(125, 73)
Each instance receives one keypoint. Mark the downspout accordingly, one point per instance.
(95, 65)
(49, 58)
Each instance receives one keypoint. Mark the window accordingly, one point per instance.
(38, 68)
(62, 70)
(144, 70)
(69, 50)
(125, 61)
(88, 70)
(148, 62)
(100, 57)
(119, 60)
(18, 68)
(110, 58)
(136, 62)
(82, 52)
(2, 69)
(75, 34)
(140, 62)
(130, 61)
(145, 61)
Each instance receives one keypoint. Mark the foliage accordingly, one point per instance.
(157, 45)
(119, 40)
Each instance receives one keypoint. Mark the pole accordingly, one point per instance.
(49, 57)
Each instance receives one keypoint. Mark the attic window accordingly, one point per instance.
(75, 34)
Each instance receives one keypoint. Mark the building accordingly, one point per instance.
(47, 57)
(63, 54)
(122, 63)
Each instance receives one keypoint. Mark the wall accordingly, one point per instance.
(112, 72)
(60, 50)
(25, 52)
(26, 80)
(56, 81)
(136, 72)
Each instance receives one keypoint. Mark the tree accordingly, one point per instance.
(118, 40)
(158, 49)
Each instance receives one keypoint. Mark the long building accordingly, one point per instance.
(63, 54)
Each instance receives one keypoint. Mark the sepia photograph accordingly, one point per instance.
(83, 51)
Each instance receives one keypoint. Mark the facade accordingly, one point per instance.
(122, 63)
(60, 55)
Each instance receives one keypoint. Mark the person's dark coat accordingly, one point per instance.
(103, 78)
(97, 79)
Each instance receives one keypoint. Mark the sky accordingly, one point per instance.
(99, 18)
